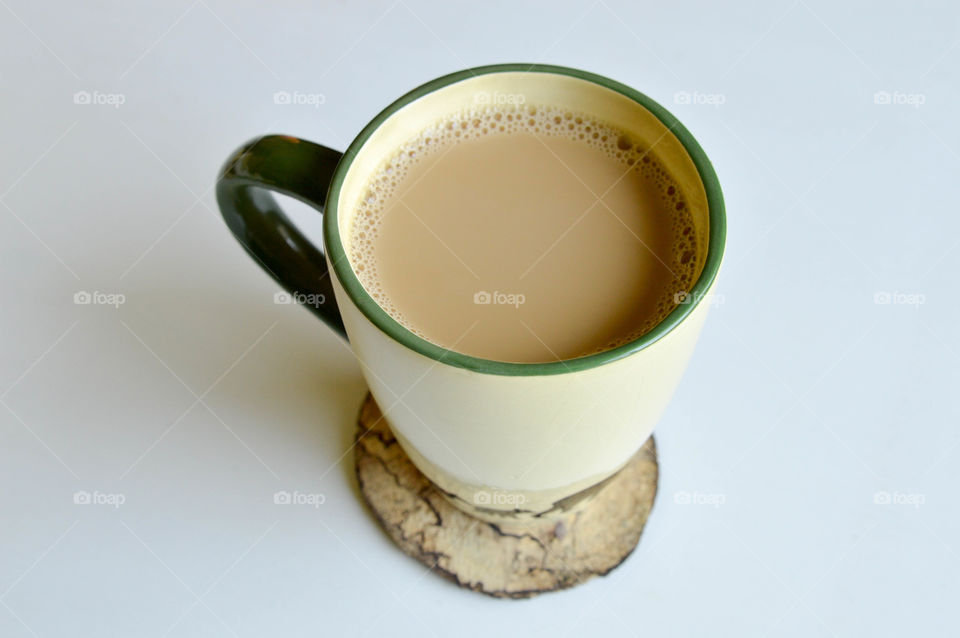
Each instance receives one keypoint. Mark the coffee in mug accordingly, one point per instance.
(524, 233)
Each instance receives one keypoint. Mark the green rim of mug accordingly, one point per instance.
(396, 331)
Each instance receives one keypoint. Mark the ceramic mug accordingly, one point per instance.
(502, 440)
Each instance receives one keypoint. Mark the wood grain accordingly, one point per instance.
(510, 560)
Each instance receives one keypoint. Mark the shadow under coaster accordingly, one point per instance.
(506, 560)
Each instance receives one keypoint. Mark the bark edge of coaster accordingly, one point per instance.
(510, 560)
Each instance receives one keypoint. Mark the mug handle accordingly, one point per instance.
(293, 167)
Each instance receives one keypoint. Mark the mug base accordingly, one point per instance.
(510, 559)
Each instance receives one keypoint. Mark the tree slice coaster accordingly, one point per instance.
(510, 560)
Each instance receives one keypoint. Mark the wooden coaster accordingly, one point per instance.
(515, 560)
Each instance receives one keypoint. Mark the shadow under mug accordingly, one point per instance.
(502, 440)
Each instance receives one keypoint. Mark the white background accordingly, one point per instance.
(197, 399)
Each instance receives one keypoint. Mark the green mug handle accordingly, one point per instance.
(293, 167)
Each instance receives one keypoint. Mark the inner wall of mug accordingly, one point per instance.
(534, 88)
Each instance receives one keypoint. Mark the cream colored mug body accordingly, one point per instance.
(502, 440)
